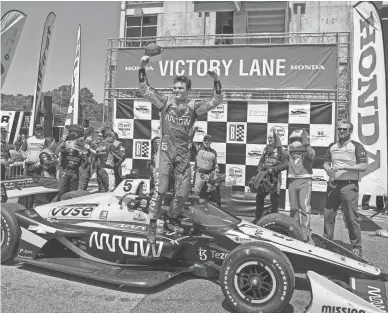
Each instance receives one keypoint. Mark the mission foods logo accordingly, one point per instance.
(235, 173)
(124, 128)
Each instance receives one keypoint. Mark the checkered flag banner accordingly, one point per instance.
(240, 133)
(145, 149)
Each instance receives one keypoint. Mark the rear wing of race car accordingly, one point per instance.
(21, 187)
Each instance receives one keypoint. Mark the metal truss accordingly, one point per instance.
(341, 96)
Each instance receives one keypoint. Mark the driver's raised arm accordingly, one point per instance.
(146, 90)
(206, 105)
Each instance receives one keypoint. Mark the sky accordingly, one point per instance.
(99, 21)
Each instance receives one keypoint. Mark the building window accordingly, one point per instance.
(224, 26)
(141, 27)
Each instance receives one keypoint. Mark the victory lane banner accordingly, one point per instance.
(291, 67)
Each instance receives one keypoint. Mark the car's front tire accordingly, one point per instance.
(282, 224)
(10, 231)
(257, 277)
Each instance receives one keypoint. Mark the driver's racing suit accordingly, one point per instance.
(176, 124)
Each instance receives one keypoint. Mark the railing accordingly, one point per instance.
(15, 170)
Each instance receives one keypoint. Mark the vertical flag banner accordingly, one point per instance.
(74, 112)
(12, 24)
(43, 59)
(368, 110)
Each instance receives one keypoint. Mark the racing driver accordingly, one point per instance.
(110, 153)
(73, 154)
(177, 117)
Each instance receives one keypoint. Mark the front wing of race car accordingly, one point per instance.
(329, 297)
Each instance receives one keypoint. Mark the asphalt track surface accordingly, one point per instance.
(26, 289)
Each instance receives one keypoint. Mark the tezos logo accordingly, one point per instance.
(218, 113)
(235, 173)
(124, 128)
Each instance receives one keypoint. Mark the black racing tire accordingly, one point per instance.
(75, 194)
(257, 277)
(10, 231)
(282, 224)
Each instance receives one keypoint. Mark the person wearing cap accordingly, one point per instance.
(6, 159)
(110, 154)
(300, 173)
(272, 164)
(30, 151)
(205, 163)
(73, 155)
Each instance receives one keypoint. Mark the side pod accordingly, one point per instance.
(328, 297)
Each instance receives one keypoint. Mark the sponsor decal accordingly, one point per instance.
(375, 297)
(131, 226)
(235, 173)
(218, 113)
(136, 68)
(142, 149)
(302, 67)
(339, 309)
(255, 154)
(31, 214)
(104, 215)
(299, 112)
(124, 128)
(42, 229)
(236, 133)
(126, 245)
(143, 203)
(142, 109)
(82, 211)
(242, 239)
(20, 184)
(203, 254)
(139, 217)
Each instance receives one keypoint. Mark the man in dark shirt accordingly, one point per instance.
(272, 164)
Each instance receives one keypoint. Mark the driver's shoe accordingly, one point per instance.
(151, 232)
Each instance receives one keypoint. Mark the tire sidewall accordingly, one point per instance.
(11, 232)
(279, 268)
(284, 222)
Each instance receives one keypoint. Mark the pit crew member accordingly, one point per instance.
(344, 160)
(178, 115)
(271, 163)
(48, 159)
(73, 154)
(6, 159)
(85, 170)
(300, 172)
(109, 153)
(205, 163)
(30, 152)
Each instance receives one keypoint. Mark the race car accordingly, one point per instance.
(103, 237)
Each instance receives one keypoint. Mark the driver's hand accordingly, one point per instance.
(145, 59)
(329, 171)
(214, 73)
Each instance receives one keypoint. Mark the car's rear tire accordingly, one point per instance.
(75, 194)
(10, 231)
(282, 224)
(257, 277)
